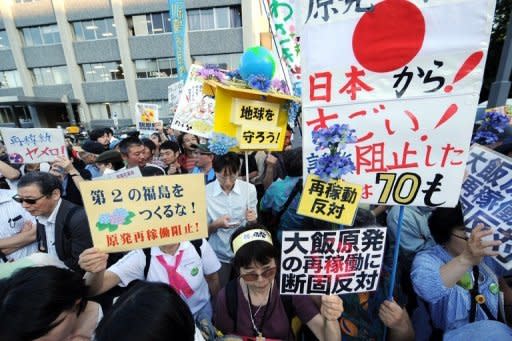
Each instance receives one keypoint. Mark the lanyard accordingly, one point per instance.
(258, 331)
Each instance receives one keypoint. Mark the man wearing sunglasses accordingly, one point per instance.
(62, 227)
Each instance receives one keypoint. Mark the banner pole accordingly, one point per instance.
(395, 259)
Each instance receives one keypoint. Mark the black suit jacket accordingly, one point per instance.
(74, 238)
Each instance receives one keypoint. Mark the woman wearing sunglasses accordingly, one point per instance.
(260, 312)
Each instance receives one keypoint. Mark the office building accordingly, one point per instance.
(89, 61)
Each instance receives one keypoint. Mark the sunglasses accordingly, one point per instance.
(269, 273)
(29, 201)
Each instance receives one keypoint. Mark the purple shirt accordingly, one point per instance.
(276, 324)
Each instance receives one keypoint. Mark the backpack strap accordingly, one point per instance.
(296, 189)
(197, 245)
(147, 254)
(67, 220)
(232, 301)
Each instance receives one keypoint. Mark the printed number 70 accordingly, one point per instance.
(397, 187)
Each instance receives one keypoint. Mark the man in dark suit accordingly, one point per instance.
(62, 227)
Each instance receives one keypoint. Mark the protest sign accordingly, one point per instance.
(146, 117)
(33, 145)
(178, 18)
(284, 18)
(331, 262)
(256, 119)
(127, 173)
(174, 91)
(406, 76)
(334, 201)
(194, 113)
(129, 214)
(487, 197)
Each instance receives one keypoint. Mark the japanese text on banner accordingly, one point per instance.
(411, 106)
(487, 197)
(334, 201)
(33, 145)
(194, 113)
(146, 116)
(135, 213)
(331, 262)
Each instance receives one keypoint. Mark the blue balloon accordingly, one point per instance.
(257, 61)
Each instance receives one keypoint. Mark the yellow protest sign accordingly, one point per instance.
(246, 111)
(229, 101)
(254, 137)
(334, 201)
(136, 213)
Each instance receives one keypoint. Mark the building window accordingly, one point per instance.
(41, 35)
(214, 18)
(25, 1)
(222, 61)
(94, 29)
(10, 79)
(101, 72)
(4, 41)
(156, 68)
(104, 111)
(51, 75)
(153, 23)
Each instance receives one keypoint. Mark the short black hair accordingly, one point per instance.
(148, 143)
(158, 136)
(33, 298)
(292, 160)
(443, 221)
(229, 162)
(46, 182)
(147, 311)
(149, 170)
(109, 131)
(364, 218)
(182, 135)
(97, 133)
(257, 251)
(170, 145)
(127, 143)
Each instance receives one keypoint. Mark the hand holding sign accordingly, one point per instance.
(331, 308)
(93, 260)
(477, 248)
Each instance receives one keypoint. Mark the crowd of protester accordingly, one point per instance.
(57, 286)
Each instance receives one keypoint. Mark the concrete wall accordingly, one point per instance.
(151, 46)
(132, 7)
(95, 51)
(11, 92)
(216, 41)
(77, 10)
(33, 13)
(100, 92)
(7, 60)
(53, 91)
(153, 88)
(41, 56)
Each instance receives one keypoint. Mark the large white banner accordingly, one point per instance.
(406, 76)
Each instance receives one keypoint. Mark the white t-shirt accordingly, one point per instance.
(192, 268)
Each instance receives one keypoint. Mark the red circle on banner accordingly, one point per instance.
(390, 36)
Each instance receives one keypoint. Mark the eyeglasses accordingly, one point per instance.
(460, 237)
(29, 201)
(269, 273)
